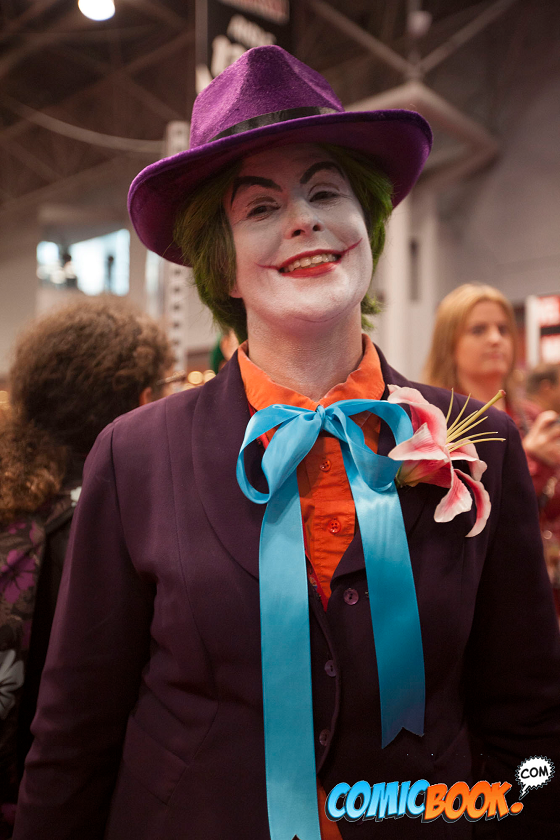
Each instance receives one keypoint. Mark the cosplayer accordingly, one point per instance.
(252, 613)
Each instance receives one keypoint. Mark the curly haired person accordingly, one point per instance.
(74, 371)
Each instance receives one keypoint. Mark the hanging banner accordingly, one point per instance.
(543, 329)
(225, 29)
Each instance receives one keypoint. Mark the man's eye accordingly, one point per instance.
(260, 210)
(478, 329)
(324, 195)
(503, 329)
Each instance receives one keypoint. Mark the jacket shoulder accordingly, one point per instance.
(145, 427)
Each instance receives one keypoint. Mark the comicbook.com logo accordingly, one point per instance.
(391, 800)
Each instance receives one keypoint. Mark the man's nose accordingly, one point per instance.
(302, 219)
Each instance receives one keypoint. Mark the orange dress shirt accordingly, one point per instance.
(327, 506)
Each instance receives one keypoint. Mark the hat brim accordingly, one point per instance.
(398, 141)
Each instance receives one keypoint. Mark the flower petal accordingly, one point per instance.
(419, 447)
(468, 453)
(412, 473)
(482, 501)
(421, 411)
(408, 395)
(457, 500)
(423, 460)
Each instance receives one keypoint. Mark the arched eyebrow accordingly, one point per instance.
(255, 180)
(316, 167)
(250, 181)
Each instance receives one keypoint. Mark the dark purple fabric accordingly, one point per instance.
(155, 652)
(265, 80)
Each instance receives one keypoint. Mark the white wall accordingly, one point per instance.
(501, 227)
(505, 229)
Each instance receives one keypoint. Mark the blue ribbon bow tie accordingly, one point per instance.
(286, 659)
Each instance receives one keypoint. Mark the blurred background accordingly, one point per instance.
(85, 104)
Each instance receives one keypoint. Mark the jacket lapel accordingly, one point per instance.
(219, 424)
(413, 500)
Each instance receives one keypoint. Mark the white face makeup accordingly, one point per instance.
(302, 247)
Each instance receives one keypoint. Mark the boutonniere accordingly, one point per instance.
(429, 454)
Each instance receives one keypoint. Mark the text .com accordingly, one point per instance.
(391, 800)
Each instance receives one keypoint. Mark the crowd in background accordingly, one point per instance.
(76, 370)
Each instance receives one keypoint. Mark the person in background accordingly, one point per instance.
(474, 351)
(223, 350)
(74, 371)
(541, 411)
(474, 345)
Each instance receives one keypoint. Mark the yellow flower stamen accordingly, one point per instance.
(458, 418)
(459, 429)
(472, 439)
(464, 428)
(450, 407)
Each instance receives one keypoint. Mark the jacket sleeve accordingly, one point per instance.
(99, 645)
(513, 673)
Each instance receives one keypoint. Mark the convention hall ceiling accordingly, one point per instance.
(79, 97)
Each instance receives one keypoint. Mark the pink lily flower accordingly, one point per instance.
(429, 454)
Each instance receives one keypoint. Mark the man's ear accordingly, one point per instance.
(146, 396)
(235, 293)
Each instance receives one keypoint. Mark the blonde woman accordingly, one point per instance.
(474, 345)
(474, 351)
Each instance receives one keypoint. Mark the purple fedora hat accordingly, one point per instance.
(269, 98)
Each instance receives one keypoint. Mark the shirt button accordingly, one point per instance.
(325, 466)
(334, 526)
(324, 736)
(351, 597)
(330, 669)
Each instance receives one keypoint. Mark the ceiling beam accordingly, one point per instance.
(31, 161)
(122, 78)
(113, 169)
(365, 39)
(37, 8)
(141, 63)
(44, 39)
(475, 146)
(159, 12)
(465, 34)
(84, 135)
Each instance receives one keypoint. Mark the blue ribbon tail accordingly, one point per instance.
(396, 622)
(394, 608)
(286, 666)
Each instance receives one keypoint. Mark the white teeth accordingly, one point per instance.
(305, 262)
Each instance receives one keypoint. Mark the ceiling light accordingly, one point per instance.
(97, 9)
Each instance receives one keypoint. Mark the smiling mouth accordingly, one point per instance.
(310, 260)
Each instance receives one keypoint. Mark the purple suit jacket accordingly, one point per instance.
(150, 720)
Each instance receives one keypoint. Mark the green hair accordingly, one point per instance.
(204, 236)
